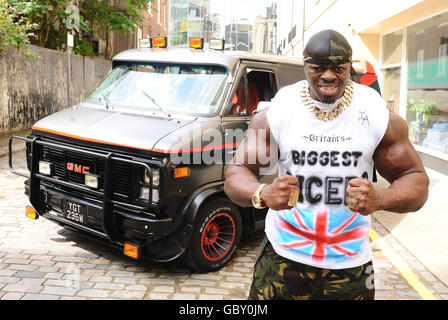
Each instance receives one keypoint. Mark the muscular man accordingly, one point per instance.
(329, 133)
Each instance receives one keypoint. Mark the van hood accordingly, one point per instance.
(110, 127)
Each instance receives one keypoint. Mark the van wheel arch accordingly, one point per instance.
(217, 229)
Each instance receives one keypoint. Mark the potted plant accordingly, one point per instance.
(422, 109)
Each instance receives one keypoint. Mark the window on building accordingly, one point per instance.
(442, 56)
(427, 83)
(392, 53)
(392, 48)
(178, 22)
(166, 10)
(420, 62)
(139, 35)
(391, 88)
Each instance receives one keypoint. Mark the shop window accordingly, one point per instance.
(391, 88)
(442, 57)
(427, 83)
(392, 48)
(420, 62)
(392, 53)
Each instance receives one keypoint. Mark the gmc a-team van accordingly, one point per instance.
(140, 163)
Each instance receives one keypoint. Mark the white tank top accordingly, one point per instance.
(324, 155)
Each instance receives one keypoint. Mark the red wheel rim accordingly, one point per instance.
(218, 236)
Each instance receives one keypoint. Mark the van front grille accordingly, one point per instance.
(69, 166)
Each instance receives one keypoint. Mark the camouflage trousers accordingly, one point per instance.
(276, 278)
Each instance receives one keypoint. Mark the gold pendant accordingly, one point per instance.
(293, 197)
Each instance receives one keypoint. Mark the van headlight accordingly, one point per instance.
(91, 180)
(155, 195)
(150, 178)
(155, 177)
(45, 168)
(144, 193)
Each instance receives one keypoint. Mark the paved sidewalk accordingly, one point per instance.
(424, 233)
(43, 268)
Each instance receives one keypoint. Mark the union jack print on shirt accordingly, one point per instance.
(323, 235)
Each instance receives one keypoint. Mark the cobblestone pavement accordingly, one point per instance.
(41, 260)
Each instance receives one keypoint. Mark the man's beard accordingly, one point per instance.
(328, 99)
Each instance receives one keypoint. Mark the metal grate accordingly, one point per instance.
(59, 158)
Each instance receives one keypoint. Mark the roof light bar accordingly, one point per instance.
(196, 43)
(144, 43)
(159, 42)
(217, 44)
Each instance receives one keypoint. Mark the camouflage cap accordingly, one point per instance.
(327, 47)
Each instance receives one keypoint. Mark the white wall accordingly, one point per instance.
(349, 17)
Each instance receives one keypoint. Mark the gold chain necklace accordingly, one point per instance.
(327, 115)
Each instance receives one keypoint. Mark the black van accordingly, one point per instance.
(140, 163)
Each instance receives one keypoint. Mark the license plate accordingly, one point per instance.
(75, 212)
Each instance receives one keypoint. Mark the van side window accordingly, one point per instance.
(261, 86)
(238, 102)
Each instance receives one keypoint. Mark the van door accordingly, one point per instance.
(253, 84)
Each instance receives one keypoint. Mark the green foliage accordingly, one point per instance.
(54, 18)
(15, 28)
(83, 48)
(423, 107)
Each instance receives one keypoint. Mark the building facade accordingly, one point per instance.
(407, 43)
(265, 32)
(155, 24)
(189, 18)
(213, 27)
(238, 35)
(156, 20)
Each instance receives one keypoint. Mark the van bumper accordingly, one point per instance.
(156, 237)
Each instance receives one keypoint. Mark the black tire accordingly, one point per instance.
(216, 236)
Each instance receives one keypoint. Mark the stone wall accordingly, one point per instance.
(30, 89)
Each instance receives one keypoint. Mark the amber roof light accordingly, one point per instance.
(159, 42)
(196, 43)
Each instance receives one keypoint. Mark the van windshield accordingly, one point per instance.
(192, 89)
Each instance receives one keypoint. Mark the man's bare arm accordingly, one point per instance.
(397, 161)
(242, 176)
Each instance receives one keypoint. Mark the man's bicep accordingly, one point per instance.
(258, 148)
(395, 156)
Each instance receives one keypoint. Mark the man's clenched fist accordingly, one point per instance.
(276, 194)
(367, 198)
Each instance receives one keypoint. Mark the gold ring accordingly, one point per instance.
(293, 197)
(351, 199)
